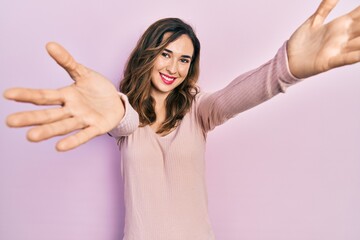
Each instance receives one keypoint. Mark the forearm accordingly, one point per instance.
(247, 90)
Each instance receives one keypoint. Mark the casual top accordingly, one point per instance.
(164, 177)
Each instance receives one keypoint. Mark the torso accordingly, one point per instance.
(164, 182)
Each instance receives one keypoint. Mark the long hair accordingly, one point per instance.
(136, 83)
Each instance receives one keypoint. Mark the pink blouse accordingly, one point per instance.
(164, 177)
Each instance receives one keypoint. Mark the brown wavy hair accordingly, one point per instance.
(136, 83)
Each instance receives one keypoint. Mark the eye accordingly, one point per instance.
(185, 60)
(165, 54)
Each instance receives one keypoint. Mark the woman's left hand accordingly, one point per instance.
(316, 47)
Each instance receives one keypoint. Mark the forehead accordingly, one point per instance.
(181, 46)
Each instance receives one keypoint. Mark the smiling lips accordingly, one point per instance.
(167, 79)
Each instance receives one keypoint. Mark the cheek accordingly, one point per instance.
(184, 71)
(156, 68)
(159, 64)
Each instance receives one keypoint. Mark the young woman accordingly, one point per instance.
(161, 119)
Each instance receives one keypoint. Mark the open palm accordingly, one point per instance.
(316, 47)
(90, 105)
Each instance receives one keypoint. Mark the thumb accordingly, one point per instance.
(64, 59)
(325, 7)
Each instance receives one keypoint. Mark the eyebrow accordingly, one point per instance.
(184, 56)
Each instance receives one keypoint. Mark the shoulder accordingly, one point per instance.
(199, 97)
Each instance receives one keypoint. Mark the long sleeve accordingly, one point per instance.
(245, 91)
(129, 122)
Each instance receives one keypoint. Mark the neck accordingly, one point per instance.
(160, 99)
(160, 109)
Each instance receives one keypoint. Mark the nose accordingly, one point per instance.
(172, 67)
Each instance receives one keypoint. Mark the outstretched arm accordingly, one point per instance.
(316, 47)
(91, 106)
(312, 49)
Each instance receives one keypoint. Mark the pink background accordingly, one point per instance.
(288, 169)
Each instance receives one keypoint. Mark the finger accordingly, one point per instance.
(77, 139)
(31, 118)
(345, 59)
(50, 130)
(354, 31)
(65, 60)
(323, 11)
(353, 45)
(355, 14)
(35, 96)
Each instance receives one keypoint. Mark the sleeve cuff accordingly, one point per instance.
(286, 78)
(129, 122)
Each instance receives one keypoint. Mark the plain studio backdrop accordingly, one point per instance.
(287, 169)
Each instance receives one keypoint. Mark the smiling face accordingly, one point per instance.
(171, 66)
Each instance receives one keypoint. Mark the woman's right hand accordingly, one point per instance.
(90, 105)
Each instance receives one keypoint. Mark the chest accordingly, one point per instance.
(183, 148)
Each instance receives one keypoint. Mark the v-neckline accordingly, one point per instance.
(162, 137)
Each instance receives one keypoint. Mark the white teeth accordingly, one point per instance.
(167, 78)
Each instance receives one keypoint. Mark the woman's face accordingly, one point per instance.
(171, 66)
